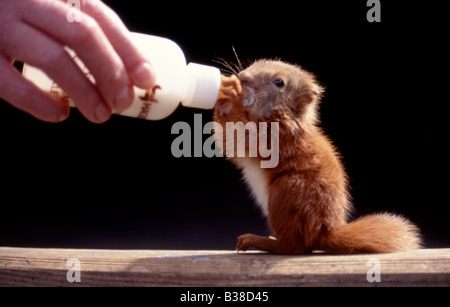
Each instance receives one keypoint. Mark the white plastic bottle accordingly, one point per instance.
(193, 85)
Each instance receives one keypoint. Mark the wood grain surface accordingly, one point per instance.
(50, 267)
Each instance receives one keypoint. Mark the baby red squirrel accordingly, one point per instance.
(305, 197)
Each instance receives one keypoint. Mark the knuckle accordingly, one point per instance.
(55, 59)
(85, 31)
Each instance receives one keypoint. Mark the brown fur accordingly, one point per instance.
(308, 199)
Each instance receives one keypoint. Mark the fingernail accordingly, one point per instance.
(143, 76)
(102, 113)
(123, 100)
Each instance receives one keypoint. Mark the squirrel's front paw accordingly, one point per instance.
(230, 92)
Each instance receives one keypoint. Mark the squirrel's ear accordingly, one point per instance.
(307, 99)
(309, 91)
(308, 96)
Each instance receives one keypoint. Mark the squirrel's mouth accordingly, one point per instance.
(248, 96)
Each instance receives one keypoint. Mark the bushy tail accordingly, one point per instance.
(377, 233)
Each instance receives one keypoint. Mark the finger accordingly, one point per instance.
(87, 39)
(137, 65)
(25, 96)
(43, 52)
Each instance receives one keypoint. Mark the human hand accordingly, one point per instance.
(36, 31)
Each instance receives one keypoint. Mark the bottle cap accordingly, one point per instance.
(204, 83)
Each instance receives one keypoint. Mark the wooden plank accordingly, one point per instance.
(48, 267)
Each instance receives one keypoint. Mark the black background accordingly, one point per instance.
(117, 185)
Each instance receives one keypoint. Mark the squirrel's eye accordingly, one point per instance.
(278, 82)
